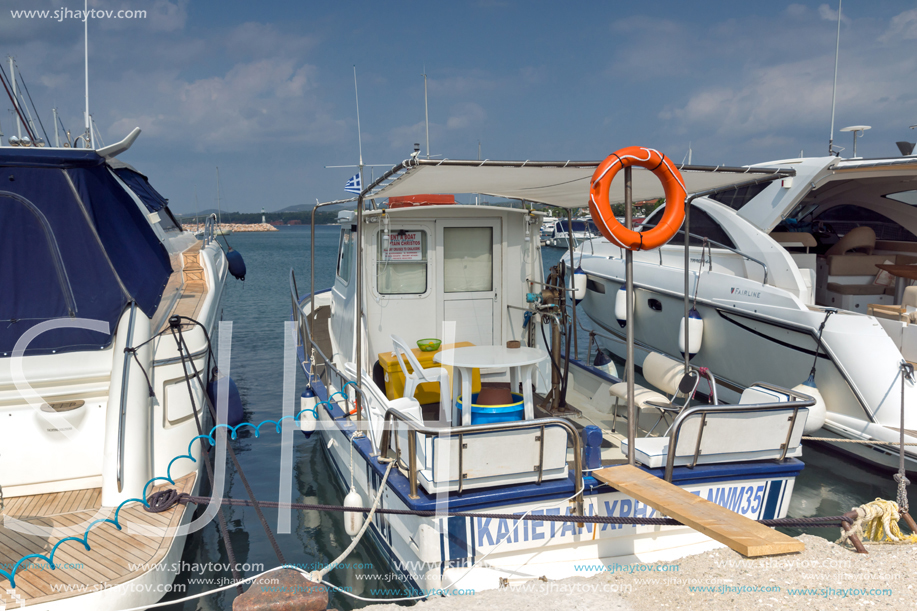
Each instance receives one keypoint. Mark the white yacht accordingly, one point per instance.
(583, 229)
(784, 276)
(94, 392)
(472, 277)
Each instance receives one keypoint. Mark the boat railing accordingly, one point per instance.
(125, 385)
(209, 228)
(729, 248)
(392, 414)
(304, 331)
(798, 401)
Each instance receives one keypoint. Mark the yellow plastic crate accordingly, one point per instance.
(428, 392)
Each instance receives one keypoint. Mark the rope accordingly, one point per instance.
(317, 576)
(813, 522)
(877, 521)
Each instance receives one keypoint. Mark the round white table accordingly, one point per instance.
(519, 361)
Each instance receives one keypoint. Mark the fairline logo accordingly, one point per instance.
(745, 292)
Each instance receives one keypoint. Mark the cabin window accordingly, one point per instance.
(846, 217)
(468, 259)
(345, 254)
(702, 224)
(737, 198)
(401, 262)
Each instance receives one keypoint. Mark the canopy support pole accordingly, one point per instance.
(687, 276)
(629, 284)
(572, 241)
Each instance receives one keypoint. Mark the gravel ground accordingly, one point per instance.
(824, 577)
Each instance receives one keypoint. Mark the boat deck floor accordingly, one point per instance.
(34, 524)
(185, 291)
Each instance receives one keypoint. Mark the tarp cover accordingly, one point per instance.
(54, 266)
(564, 184)
(140, 185)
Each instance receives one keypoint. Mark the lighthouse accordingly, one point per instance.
(262, 216)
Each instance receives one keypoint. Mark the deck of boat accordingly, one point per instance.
(184, 293)
(34, 524)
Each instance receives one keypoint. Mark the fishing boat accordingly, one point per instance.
(96, 395)
(789, 284)
(441, 379)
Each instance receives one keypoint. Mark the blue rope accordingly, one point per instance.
(209, 437)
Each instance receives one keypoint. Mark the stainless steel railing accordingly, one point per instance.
(125, 384)
(801, 401)
(413, 426)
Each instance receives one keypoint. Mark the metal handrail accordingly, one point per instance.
(125, 384)
(540, 423)
(730, 248)
(209, 232)
(674, 431)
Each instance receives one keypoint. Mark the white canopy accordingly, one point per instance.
(564, 183)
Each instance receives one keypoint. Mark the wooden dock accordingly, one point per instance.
(741, 534)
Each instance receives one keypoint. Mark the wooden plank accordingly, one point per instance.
(741, 534)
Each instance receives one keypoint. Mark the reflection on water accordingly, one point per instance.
(829, 485)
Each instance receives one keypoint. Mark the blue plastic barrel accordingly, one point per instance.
(489, 414)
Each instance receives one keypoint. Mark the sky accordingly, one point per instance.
(265, 90)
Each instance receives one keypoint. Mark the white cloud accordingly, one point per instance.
(465, 115)
(829, 14)
(902, 27)
(165, 16)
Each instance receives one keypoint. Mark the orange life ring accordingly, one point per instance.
(675, 193)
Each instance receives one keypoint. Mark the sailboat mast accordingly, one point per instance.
(15, 97)
(56, 130)
(219, 207)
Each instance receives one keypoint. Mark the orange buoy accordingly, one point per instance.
(672, 183)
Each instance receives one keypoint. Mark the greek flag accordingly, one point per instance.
(353, 185)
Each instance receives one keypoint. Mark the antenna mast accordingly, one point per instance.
(356, 94)
(837, 51)
(15, 98)
(426, 110)
(88, 135)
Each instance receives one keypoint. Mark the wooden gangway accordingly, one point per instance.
(741, 534)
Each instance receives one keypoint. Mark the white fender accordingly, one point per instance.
(353, 520)
(579, 284)
(695, 335)
(307, 419)
(621, 306)
(819, 411)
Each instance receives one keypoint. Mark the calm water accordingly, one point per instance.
(829, 485)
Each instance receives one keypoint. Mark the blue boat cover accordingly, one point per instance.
(140, 185)
(73, 244)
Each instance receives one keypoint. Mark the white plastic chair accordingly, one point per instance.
(419, 375)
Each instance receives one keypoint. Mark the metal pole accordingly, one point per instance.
(687, 274)
(571, 240)
(837, 51)
(629, 284)
(15, 97)
(426, 110)
(359, 310)
(88, 142)
(56, 131)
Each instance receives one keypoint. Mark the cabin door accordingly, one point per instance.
(470, 279)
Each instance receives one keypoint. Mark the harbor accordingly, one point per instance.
(648, 358)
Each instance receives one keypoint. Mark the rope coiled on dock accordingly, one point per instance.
(877, 521)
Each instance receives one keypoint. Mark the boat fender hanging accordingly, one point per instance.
(819, 411)
(308, 412)
(603, 362)
(672, 183)
(353, 520)
(579, 284)
(695, 335)
(236, 264)
(234, 412)
(621, 306)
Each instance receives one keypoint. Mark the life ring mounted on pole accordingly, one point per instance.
(672, 183)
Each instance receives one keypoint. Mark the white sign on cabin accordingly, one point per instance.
(405, 247)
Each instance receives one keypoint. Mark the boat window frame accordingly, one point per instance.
(345, 281)
(429, 258)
